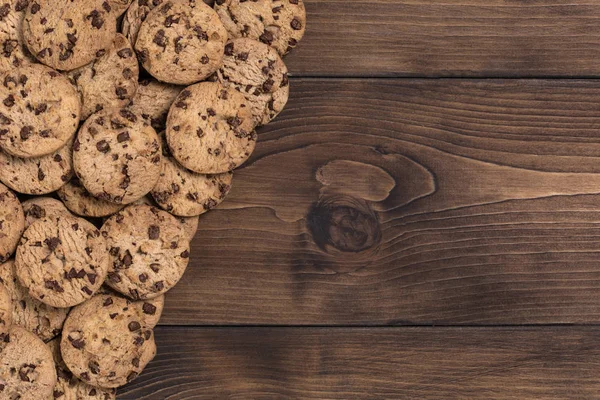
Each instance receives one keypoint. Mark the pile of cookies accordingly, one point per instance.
(120, 124)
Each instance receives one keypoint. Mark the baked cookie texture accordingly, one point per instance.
(153, 100)
(185, 193)
(256, 70)
(65, 36)
(41, 207)
(117, 156)
(106, 343)
(14, 52)
(79, 201)
(61, 260)
(148, 250)
(26, 366)
(181, 42)
(69, 387)
(39, 175)
(277, 23)
(210, 128)
(5, 311)
(188, 224)
(110, 81)
(12, 222)
(39, 318)
(39, 111)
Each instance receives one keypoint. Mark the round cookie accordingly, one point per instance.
(26, 366)
(185, 193)
(79, 201)
(14, 52)
(105, 343)
(117, 156)
(210, 129)
(41, 207)
(110, 81)
(69, 387)
(257, 71)
(65, 36)
(149, 310)
(39, 175)
(136, 14)
(181, 42)
(5, 311)
(277, 23)
(12, 222)
(39, 111)
(39, 318)
(153, 100)
(61, 260)
(148, 249)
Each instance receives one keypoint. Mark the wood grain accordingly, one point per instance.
(409, 202)
(494, 38)
(407, 363)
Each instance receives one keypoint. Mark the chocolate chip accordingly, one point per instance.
(57, 157)
(296, 24)
(155, 267)
(132, 375)
(127, 73)
(211, 112)
(121, 92)
(53, 285)
(97, 20)
(41, 174)
(103, 146)
(114, 277)
(242, 56)
(128, 115)
(134, 326)
(26, 132)
(85, 376)
(92, 278)
(123, 137)
(185, 254)
(266, 37)
(125, 53)
(100, 53)
(77, 343)
(52, 243)
(106, 6)
(160, 39)
(21, 5)
(71, 37)
(153, 232)
(35, 7)
(9, 101)
(159, 285)
(135, 362)
(41, 108)
(204, 59)
(127, 259)
(107, 302)
(229, 49)
(94, 367)
(87, 291)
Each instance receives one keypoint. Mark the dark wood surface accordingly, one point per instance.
(410, 363)
(467, 207)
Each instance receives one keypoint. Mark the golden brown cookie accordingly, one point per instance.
(12, 222)
(181, 42)
(61, 260)
(79, 201)
(210, 129)
(14, 52)
(5, 311)
(117, 156)
(153, 100)
(148, 249)
(42, 207)
(106, 343)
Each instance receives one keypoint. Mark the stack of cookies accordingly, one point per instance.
(120, 124)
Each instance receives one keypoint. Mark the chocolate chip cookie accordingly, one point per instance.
(277, 23)
(117, 156)
(153, 100)
(42, 207)
(43, 320)
(61, 260)
(14, 52)
(39, 175)
(188, 224)
(181, 42)
(12, 222)
(257, 71)
(136, 14)
(210, 129)
(148, 249)
(5, 311)
(39, 111)
(66, 36)
(69, 387)
(26, 366)
(79, 201)
(185, 193)
(149, 310)
(105, 343)
(110, 81)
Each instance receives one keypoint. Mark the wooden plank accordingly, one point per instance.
(493, 38)
(409, 202)
(399, 363)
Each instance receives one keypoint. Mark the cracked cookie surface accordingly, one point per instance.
(185, 193)
(79, 201)
(153, 100)
(181, 42)
(256, 70)
(105, 342)
(148, 251)
(69, 387)
(61, 260)
(26, 366)
(38, 175)
(277, 23)
(110, 81)
(12, 222)
(64, 36)
(39, 318)
(117, 156)
(42, 207)
(210, 129)
(39, 111)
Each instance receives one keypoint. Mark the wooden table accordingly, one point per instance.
(397, 236)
